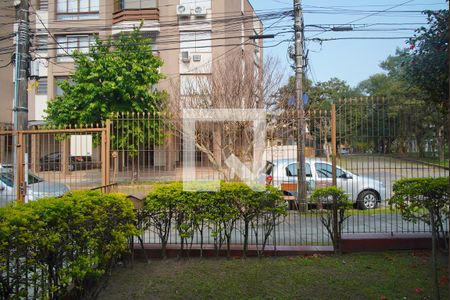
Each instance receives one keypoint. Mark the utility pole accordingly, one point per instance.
(301, 176)
(20, 107)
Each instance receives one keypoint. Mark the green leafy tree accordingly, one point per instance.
(404, 100)
(116, 75)
(428, 57)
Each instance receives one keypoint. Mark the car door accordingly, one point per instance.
(6, 188)
(324, 173)
(291, 176)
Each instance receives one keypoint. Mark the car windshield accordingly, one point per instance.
(8, 178)
(326, 171)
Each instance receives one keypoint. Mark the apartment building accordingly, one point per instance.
(192, 37)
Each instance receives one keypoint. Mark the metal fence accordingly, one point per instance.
(377, 142)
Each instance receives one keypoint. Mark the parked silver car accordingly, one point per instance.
(36, 187)
(366, 192)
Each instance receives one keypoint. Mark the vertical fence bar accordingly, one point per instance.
(107, 151)
(336, 232)
(103, 158)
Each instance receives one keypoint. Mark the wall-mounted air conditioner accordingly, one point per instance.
(183, 10)
(196, 57)
(185, 57)
(200, 11)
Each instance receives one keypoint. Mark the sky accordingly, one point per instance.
(349, 60)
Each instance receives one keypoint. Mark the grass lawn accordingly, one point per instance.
(393, 275)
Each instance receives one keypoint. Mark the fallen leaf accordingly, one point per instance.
(443, 280)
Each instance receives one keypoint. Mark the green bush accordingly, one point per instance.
(193, 212)
(426, 200)
(338, 200)
(51, 244)
(417, 198)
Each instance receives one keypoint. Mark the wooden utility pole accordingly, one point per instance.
(301, 177)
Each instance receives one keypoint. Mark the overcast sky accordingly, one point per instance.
(350, 60)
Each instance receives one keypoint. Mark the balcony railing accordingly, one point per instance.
(135, 10)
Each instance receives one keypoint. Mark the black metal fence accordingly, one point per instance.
(378, 141)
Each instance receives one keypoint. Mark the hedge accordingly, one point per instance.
(169, 206)
(49, 245)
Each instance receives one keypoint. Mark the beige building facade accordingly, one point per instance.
(192, 37)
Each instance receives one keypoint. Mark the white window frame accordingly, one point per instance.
(196, 41)
(67, 44)
(77, 9)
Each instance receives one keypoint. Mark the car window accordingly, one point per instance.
(291, 170)
(53, 156)
(7, 178)
(268, 168)
(32, 179)
(326, 171)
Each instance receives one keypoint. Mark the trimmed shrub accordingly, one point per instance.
(337, 199)
(49, 245)
(193, 212)
(426, 200)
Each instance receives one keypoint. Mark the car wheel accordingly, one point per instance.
(368, 200)
(71, 167)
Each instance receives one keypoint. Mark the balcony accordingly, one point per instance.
(135, 10)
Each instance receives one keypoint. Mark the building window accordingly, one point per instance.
(195, 41)
(67, 44)
(42, 44)
(58, 80)
(43, 5)
(137, 4)
(194, 3)
(42, 86)
(77, 9)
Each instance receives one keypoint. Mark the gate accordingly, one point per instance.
(50, 162)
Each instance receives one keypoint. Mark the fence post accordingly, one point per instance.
(65, 156)
(103, 158)
(336, 231)
(107, 151)
(20, 165)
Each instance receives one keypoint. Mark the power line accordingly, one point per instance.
(359, 38)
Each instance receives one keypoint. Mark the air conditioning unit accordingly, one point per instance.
(200, 11)
(196, 57)
(185, 56)
(183, 10)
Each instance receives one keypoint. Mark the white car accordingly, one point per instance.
(37, 187)
(366, 192)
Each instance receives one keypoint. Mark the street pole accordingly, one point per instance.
(301, 176)
(20, 107)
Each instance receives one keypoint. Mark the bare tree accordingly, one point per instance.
(235, 82)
